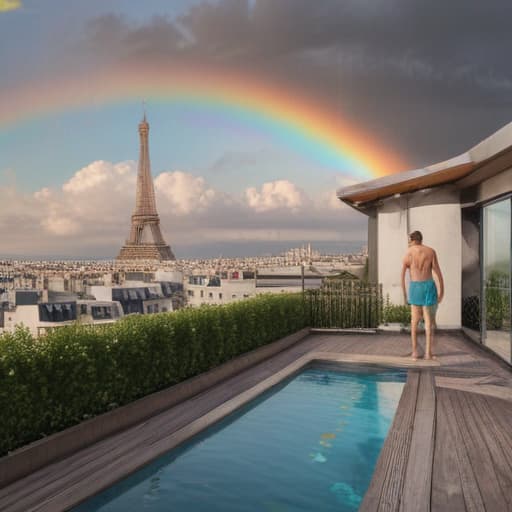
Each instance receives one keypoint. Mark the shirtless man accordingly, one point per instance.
(423, 294)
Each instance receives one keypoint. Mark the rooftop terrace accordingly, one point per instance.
(449, 447)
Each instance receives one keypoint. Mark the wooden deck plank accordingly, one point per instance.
(478, 451)
(498, 442)
(447, 492)
(387, 482)
(501, 417)
(418, 478)
(471, 492)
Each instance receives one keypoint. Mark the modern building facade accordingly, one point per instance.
(463, 208)
(146, 241)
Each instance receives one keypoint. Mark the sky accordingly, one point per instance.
(259, 111)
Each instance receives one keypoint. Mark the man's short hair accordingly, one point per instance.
(416, 236)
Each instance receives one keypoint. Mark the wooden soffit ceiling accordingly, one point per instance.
(417, 183)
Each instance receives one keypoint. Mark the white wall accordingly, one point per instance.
(441, 228)
(495, 186)
(100, 292)
(392, 244)
(438, 216)
(174, 276)
(163, 304)
(28, 316)
(56, 284)
(231, 291)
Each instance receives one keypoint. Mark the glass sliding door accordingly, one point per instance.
(496, 269)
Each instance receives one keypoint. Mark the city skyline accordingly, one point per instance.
(242, 97)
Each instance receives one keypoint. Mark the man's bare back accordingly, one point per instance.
(420, 260)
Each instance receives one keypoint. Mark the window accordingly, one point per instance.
(101, 312)
(57, 312)
(220, 296)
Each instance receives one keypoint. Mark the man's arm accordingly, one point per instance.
(405, 266)
(437, 269)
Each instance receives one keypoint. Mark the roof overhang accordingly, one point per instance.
(486, 159)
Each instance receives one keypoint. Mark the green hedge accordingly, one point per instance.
(78, 371)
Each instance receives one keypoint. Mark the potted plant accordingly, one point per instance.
(395, 317)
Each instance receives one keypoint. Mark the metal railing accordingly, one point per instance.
(344, 304)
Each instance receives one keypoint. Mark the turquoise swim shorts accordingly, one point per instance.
(423, 293)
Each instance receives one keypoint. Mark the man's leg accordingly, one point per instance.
(415, 318)
(429, 331)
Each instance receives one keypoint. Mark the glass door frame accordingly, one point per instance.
(483, 312)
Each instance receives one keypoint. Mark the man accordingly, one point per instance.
(423, 294)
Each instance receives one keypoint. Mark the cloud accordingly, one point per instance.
(275, 195)
(99, 175)
(89, 215)
(183, 193)
(90, 203)
(160, 38)
(409, 37)
(55, 224)
(328, 201)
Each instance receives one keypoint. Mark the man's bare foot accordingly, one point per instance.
(414, 356)
(430, 357)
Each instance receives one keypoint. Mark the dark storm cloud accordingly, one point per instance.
(429, 79)
(417, 37)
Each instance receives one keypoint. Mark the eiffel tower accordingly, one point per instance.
(146, 241)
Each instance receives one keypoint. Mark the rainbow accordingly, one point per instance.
(287, 115)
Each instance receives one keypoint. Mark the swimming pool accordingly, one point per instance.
(308, 444)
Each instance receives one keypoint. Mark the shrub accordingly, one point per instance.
(496, 299)
(76, 372)
(394, 313)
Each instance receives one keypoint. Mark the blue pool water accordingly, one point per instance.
(309, 444)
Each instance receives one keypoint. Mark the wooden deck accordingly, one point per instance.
(449, 447)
